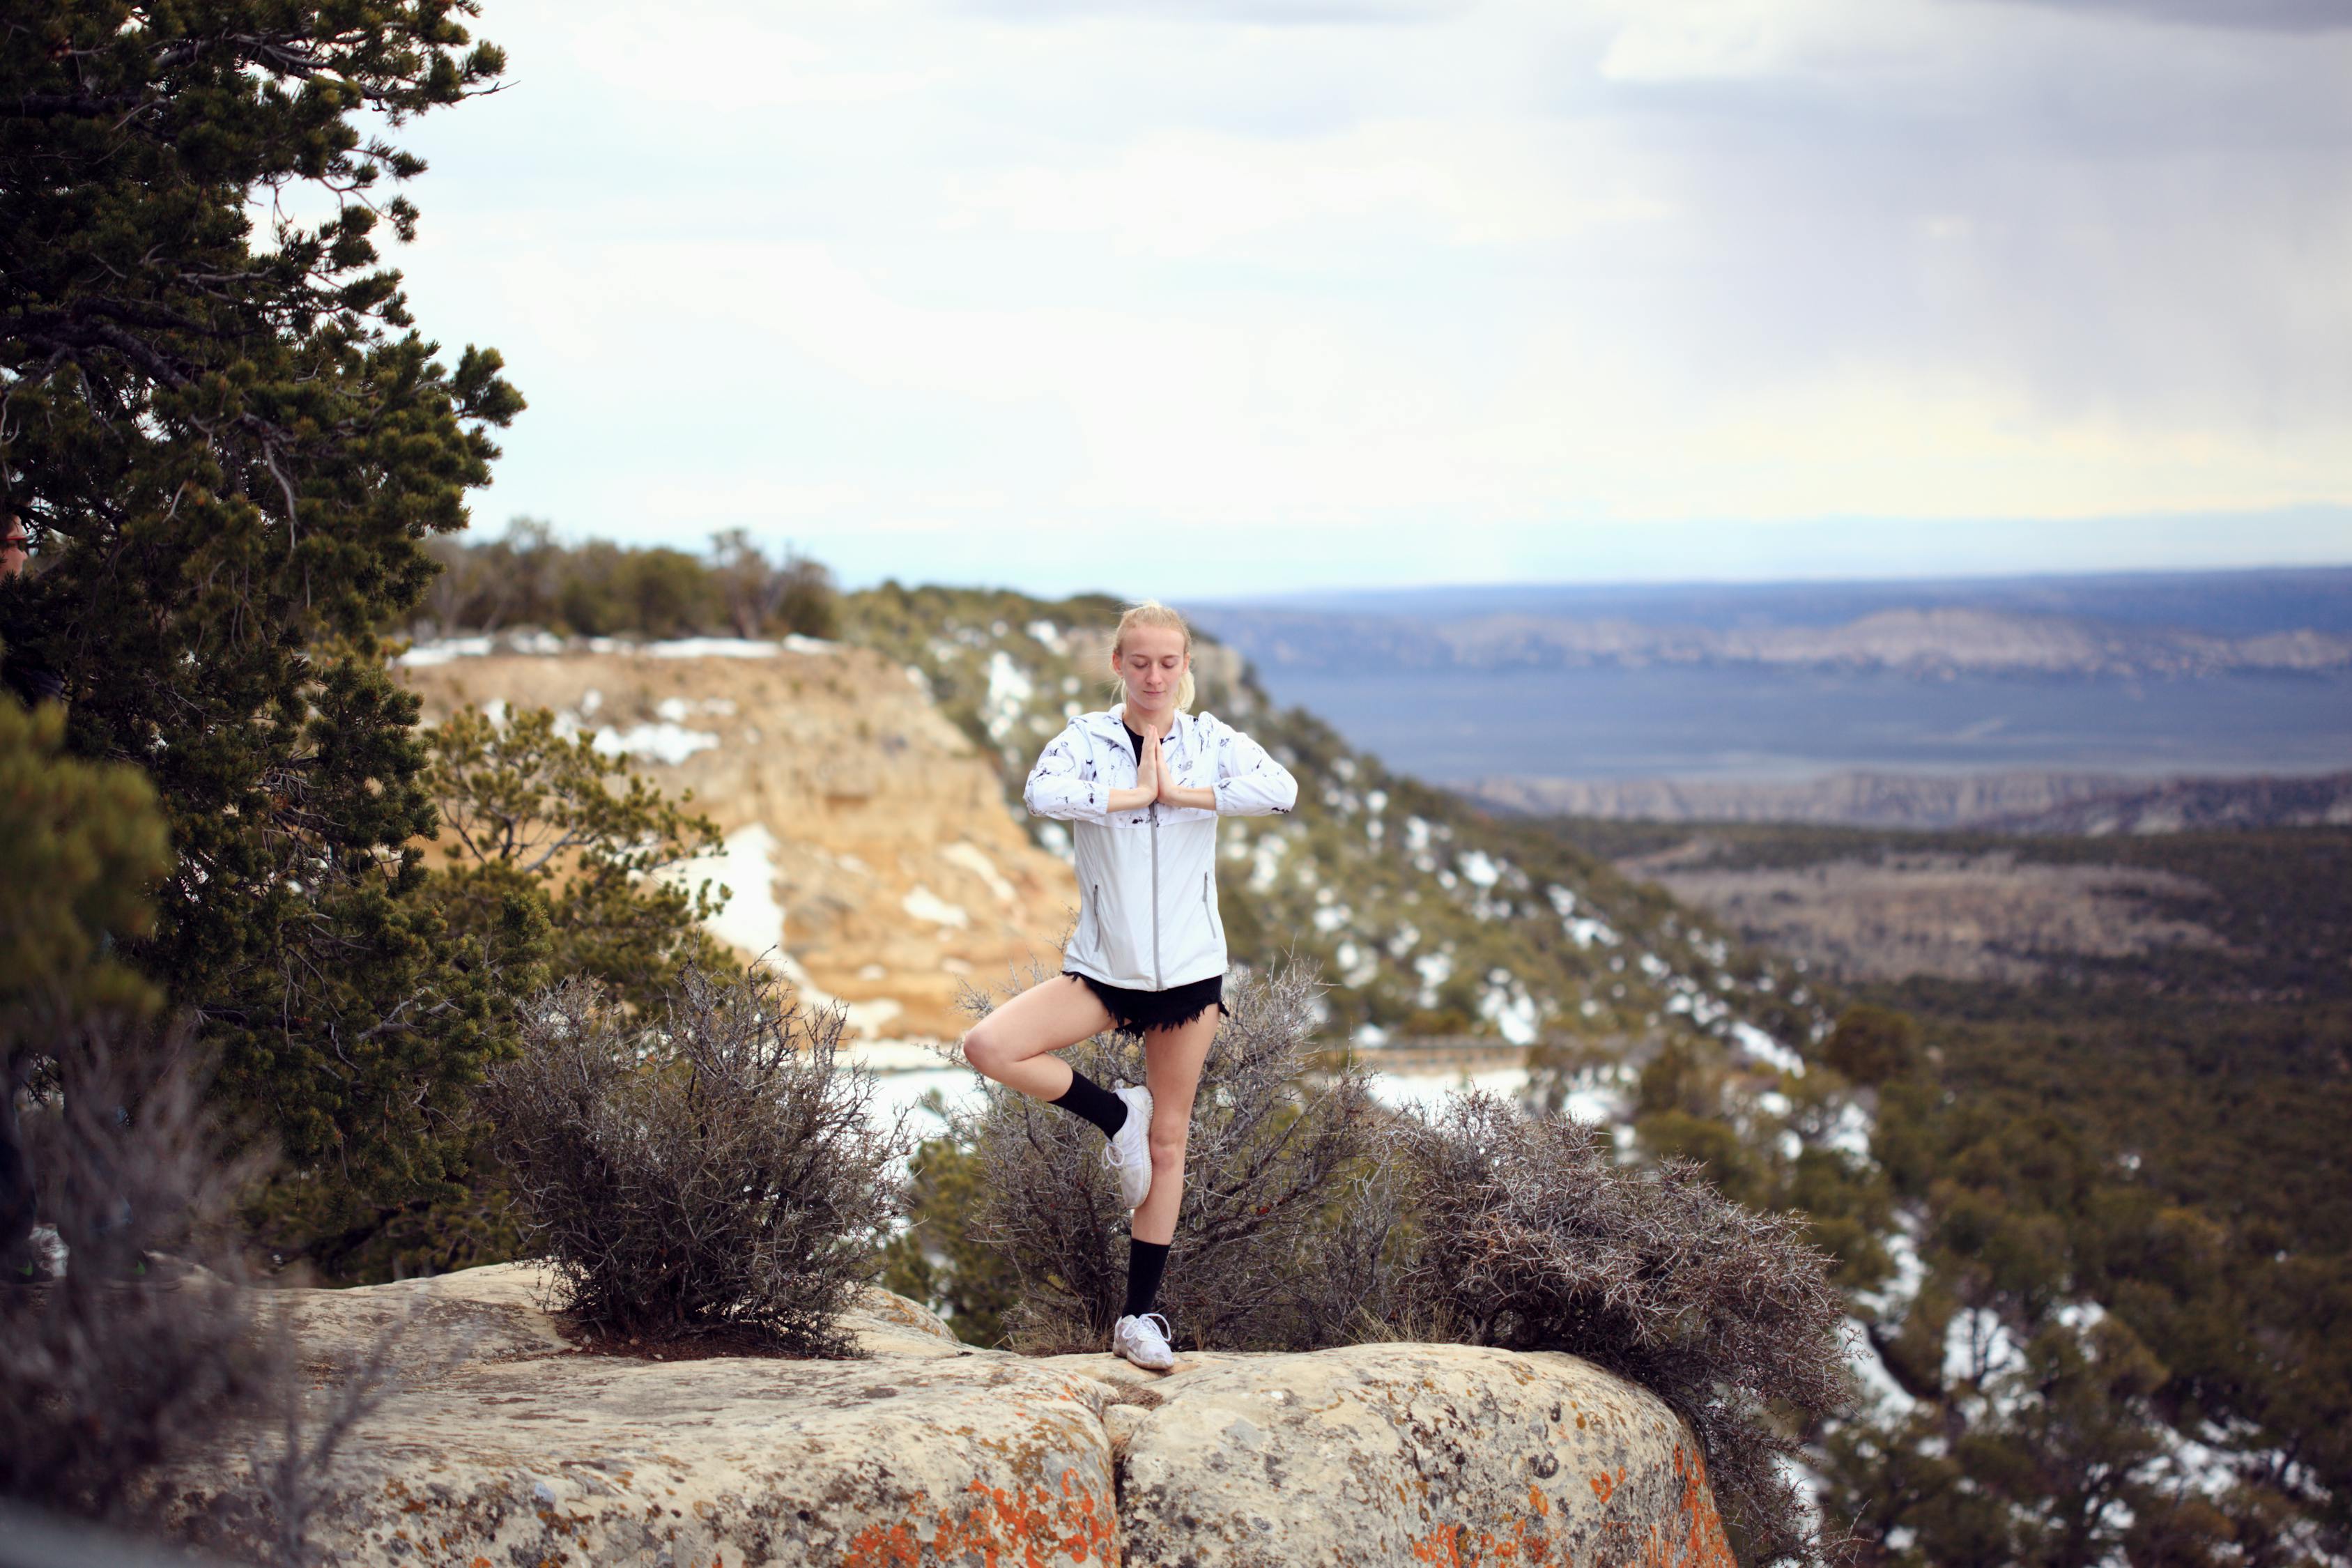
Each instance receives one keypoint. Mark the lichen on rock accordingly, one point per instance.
(924, 1452)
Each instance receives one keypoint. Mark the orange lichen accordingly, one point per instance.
(1528, 1541)
(1004, 1527)
(1692, 1538)
(1699, 1541)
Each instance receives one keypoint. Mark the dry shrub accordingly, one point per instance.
(131, 1360)
(1285, 1217)
(713, 1173)
(1530, 1237)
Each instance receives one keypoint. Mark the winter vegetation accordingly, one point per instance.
(1289, 1211)
(2112, 1186)
(715, 1171)
(293, 987)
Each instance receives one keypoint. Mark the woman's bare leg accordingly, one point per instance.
(1014, 1044)
(1172, 1059)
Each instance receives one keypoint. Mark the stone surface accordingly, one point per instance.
(523, 1450)
(1409, 1454)
(867, 839)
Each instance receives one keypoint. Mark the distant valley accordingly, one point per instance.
(1926, 704)
(2048, 803)
(1914, 641)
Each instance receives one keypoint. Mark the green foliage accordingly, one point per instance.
(80, 854)
(1871, 1045)
(602, 589)
(529, 813)
(229, 448)
(552, 859)
(2127, 1176)
(938, 1258)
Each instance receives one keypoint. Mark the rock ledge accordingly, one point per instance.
(930, 1452)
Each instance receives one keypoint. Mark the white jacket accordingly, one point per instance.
(1147, 915)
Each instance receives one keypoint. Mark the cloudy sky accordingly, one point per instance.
(1208, 296)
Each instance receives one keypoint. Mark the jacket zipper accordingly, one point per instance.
(1208, 912)
(1094, 913)
(1157, 982)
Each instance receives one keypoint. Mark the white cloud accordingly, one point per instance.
(1339, 282)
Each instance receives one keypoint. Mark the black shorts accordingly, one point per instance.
(1133, 1012)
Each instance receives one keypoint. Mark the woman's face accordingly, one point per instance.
(1151, 662)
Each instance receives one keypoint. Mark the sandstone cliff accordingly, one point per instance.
(867, 839)
(930, 1452)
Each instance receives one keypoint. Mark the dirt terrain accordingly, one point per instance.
(1952, 916)
(866, 838)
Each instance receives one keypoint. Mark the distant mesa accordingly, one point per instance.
(2012, 801)
(1920, 641)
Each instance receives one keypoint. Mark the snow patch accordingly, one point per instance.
(1506, 1005)
(711, 647)
(969, 856)
(926, 905)
(1358, 968)
(745, 865)
(443, 651)
(1850, 1133)
(1771, 1052)
(1427, 1092)
(667, 742)
(1009, 691)
(1435, 969)
(1883, 1398)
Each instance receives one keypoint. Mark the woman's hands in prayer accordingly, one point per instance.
(1149, 776)
(1168, 792)
(1155, 782)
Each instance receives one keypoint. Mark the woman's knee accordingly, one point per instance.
(1167, 1148)
(984, 1050)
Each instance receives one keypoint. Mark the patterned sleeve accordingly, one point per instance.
(1249, 782)
(1063, 785)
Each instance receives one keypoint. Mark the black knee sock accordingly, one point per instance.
(1146, 1262)
(1090, 1100)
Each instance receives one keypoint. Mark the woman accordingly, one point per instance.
(1142, 787)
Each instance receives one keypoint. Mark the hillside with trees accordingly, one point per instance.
(2119, 1153)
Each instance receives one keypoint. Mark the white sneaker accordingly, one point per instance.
(1144, 1342)
(1129, 1154)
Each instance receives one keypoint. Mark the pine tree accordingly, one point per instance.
(230, 443)
(80, 854)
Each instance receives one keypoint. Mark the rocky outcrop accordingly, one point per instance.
(509, 1444)
(867, 841)
(1408, 1453)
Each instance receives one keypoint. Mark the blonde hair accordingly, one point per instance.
(1152, 613)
